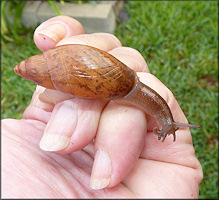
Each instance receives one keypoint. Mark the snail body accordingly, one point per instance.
(90, 73)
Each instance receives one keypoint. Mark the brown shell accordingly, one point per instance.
(80, 70)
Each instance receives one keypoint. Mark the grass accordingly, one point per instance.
(179, 42)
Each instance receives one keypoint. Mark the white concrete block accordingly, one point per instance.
(94, 18)
(29, 17)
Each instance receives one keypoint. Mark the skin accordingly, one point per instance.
(142, 166)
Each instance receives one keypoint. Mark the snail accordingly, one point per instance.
(90, 73)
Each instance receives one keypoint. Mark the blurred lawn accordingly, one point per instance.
(179, 42)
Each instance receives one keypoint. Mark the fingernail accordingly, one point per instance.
(39, 104)
(52, 142)
(55, 31)
(57, 134)
(101, 172)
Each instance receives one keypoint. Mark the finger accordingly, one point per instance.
(72, 126)
(118, 143)
(38, 110)
(50, 32)
(43, 102)
(103, 41)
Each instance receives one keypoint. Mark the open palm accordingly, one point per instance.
(111, 144)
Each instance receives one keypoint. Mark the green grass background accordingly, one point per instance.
(179, 41)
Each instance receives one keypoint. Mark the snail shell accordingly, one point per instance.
(80, 70)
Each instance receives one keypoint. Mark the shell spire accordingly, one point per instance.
(35, 70)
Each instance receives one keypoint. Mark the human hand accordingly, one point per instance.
(129, 163)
